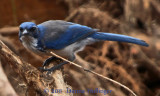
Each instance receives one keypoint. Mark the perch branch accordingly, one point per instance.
(5, 87)
(33, 78)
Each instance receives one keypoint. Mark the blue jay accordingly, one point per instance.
(64, 38)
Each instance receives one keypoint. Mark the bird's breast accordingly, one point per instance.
(31, 44)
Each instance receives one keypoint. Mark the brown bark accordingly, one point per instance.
(5, 87)
(34, 79)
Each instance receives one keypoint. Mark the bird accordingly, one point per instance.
(64, 39)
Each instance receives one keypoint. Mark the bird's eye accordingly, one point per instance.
(21, 29)
(32, 29)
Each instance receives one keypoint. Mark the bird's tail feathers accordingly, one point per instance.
(118, 37)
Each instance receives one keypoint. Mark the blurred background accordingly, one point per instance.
(134, 66)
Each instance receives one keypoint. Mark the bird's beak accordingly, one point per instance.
(25, 32)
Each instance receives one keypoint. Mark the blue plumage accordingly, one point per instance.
(118, 37)
(65, 38)
(72, 34)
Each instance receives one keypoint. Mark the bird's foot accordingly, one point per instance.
(56, 67)
(49, 60)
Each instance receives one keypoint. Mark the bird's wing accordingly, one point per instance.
(62, 34)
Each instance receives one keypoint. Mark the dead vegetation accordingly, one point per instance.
(134, 66)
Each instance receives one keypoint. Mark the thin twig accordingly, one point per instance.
(104, 77)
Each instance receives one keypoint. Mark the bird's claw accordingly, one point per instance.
(42, 69)
(52, 69)
(47, 61)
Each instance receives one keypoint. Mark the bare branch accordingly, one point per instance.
(40, 83)
(5, 87)
(9, 30)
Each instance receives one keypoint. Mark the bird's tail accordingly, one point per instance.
(118, 37)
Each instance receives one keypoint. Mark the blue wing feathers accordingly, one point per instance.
(72, 34)
(118, 37)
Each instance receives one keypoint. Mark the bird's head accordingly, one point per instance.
(28, 29)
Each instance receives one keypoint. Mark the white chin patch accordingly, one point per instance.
(29, 42)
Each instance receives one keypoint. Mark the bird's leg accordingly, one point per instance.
(56, 67)
(49, 60)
